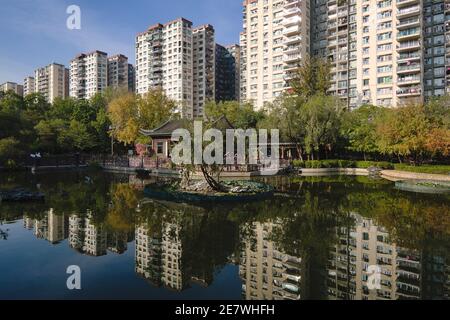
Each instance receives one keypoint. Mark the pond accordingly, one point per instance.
(336, 237)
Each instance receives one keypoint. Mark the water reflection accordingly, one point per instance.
(318, 241)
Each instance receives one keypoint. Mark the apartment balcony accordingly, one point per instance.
(292, 50)
(409, 56)
(291, 30)
(408, 34)
(407, 23)
(409, 80)
(412, 68)
(292, 21)
(292, 57)
(409, 91)
(407, 46)
(292, 40)
(404, 3)
(408, 12)
(289, 12)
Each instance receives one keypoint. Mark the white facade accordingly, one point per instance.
(165, 60)
(274, 41)
(88, 74)
(52, 81)
(28, 86)
(7, 86)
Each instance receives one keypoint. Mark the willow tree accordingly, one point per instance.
(312, 77)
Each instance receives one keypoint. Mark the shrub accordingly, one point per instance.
(367, 164)
(319, 164)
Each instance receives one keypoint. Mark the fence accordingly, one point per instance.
(136, 162)
(74, 160)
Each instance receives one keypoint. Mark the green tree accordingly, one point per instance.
(360, 129)
(321, 118)
(9, 149)
(242, 116)
(36, 107)
(311, 78)
(48, 132)
(75, 137)
(284, 115)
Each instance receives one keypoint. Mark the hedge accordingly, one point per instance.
(319, 164)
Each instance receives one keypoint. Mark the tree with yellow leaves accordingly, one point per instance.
(129, 113)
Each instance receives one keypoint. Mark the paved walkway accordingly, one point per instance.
(396, 175)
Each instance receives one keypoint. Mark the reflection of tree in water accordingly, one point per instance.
(315, 220)
(320, 225)
(185, 243)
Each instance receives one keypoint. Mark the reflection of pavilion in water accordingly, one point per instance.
(268, 273)
(405, 273)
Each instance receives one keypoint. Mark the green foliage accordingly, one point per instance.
(359, 128)
(242, 116)
(376, 164)
(9, 149)
(311, 78)
(317, 164)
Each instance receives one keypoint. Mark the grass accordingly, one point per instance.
(431, 169)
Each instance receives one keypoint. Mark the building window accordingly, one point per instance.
(160, 148)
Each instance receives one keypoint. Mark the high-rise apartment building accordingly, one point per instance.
(275, 38)
(28, 86)
(12, 86)
(447, 45)
(52, 81)
(227, 73)
(118, 71)
(164, 59)
(131, 78)
(381, 52)
(204, 53)
(88, 74)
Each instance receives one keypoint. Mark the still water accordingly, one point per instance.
(319, 238)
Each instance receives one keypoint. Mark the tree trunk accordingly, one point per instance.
(211, 181)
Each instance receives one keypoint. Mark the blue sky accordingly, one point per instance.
(34, 32)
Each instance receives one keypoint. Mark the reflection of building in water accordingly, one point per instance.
(86, 237)
(405, 273)
(28, 223)
(159, 256)
(148, 255)
(266, 272)
(52, 227)
(117, 242)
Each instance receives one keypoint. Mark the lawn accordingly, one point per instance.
(433, 169)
